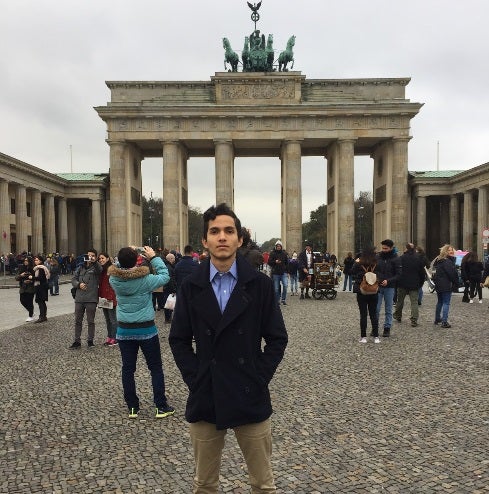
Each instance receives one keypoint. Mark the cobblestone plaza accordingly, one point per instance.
(408, 415)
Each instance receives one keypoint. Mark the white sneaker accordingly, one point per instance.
(480, 301)
(471, 301)
(29, 319)
(376, 340)
(362, 340)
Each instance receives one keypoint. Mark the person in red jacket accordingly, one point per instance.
(109, 302)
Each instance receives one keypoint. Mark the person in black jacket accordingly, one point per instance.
(366, 303)
(473, 270)
(445, 277)
(278, 262)
(228, 338)
(409, 283)
(348, 263)
(185, 266)
(389, 269)
(306, 270)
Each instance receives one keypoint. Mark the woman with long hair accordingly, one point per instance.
(366, 303)
(25, 277)
(105, 291)
(41, 277)
(445, 277)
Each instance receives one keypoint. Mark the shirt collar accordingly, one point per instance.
(233, 271)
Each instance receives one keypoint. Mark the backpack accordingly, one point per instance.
(369, 284)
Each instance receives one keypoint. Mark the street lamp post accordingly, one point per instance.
(151, 210)
(360, 218)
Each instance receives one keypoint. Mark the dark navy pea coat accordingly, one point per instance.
(235, 354)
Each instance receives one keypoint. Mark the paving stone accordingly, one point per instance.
(409, 415)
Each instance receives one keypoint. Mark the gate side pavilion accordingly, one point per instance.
(278, 114)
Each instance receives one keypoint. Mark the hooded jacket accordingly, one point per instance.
(278, 254)
(88, 273)
(445, 276)
(389, 268)
(134, 287)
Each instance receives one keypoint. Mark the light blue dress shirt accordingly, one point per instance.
(223, 284)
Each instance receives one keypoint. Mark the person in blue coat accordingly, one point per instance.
(136, 329)
(224, 313)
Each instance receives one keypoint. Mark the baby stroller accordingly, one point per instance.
(325, 280)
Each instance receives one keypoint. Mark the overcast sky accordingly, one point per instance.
(57, 55)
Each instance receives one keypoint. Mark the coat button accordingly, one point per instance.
(213, 361)
(247, 389)
(241, 361)
(208, 332)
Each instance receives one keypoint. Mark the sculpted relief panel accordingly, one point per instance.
(283, 90)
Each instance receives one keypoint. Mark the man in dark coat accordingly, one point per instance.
(278, 262)
(409, 283)
(185, 266)
(388, 271)
(306, 270)
(223, 313)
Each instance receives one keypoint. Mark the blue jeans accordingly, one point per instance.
(442, 306)
(151, 351)
(293, 283)
(348, 278)
(386, 294)
(277, 279)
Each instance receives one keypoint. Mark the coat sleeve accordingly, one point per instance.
(273, 333)
(181, 336)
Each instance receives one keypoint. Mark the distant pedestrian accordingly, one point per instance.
(107, 300)
(445, 278)
(41, 279)
(367, 303)
(389, 270)
(348, 263)
(278, 262)
(185, 266)
(409, 282)
(306, 270)
(85, 280)
(474, 269)
(293, 270)
(54, 272)
(25, 277)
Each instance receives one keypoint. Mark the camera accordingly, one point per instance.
(140, 250)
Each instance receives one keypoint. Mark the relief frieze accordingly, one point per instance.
(258, 91)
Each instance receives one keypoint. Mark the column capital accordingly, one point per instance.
(402, 139)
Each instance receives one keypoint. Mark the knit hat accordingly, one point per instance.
(294, 256)
(278, 242)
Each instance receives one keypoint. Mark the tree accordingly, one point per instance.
(314, 231)
(152, 221)
(268, 245)
(195, 228)
(364, 213)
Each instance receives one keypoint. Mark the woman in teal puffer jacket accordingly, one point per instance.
(136, 327)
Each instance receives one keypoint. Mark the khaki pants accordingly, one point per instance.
(255, 441)
(413, 297)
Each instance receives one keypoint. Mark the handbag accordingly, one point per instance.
(103, 303)
(170, 302)
(73, 292)
(486, 282)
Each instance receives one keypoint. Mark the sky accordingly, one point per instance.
(56, 56)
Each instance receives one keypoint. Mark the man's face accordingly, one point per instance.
(386, 248)
(308, 248)
(91, 256)
(222, 240)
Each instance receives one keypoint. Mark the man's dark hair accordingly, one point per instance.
(127, 257)
(221, 210)
(92, 250)
(388, 242)
(187, 250)
(409, 247)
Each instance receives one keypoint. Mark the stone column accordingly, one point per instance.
(119, 199)
(421, 222)
(171, 216)
(49, 224)
(468, 223)
(399, 201)
(345, 198)
(292, 196)
(454, 223)
(21, 218)
(96, 225)
(482, 220)
(36, 222)
(63, 226)
(224, 156)
(4, 218)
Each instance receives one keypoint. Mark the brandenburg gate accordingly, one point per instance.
(260, 114)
